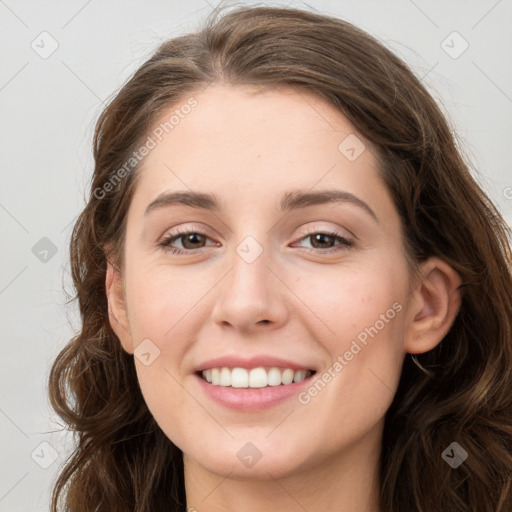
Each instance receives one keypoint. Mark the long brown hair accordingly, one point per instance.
(123, 462)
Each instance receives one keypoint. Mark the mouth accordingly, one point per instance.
(254, 378)
(252, 389)
(252, 384)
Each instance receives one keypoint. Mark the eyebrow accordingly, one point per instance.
(292, 200)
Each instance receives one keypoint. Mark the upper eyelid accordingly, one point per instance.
(314, 230)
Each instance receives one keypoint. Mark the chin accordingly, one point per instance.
(255, 459)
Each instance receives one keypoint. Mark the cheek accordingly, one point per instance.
(348, 302)
(160, 297)
(361, 315)
(160, 309)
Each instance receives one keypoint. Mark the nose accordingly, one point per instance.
(252, 296)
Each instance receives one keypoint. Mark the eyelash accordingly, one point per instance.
(344, 245)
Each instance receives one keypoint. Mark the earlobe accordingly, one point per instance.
(437, 301)
(117, 313)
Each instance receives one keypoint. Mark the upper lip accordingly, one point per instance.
(251, 362)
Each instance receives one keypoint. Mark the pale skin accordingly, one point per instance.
(295, 301)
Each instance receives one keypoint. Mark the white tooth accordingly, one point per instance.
(258, 378)
(215, 376)
(299, 376)
(274, 377)
(239, 378)
(207, 374)
(287, 376)
(225, 376)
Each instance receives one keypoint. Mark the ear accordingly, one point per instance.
(117, 313)
(435, 303)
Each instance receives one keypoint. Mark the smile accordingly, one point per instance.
(259, 377)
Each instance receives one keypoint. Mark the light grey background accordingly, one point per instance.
(48, 107)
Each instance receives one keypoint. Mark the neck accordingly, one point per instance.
(347, 481)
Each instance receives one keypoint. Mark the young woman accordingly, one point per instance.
(294, 295)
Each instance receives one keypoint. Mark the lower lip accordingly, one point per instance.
(252, 399)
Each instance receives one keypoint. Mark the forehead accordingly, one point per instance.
(249, 143)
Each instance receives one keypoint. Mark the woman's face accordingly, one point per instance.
(263, 283)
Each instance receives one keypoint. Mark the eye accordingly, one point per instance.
(190, 241)
(321, 239)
